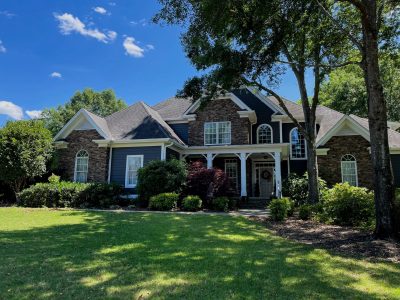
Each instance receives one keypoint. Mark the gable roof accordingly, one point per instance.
(172, 108)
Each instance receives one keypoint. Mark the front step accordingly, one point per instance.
(253, 203)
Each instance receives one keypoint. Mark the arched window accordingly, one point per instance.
(349, 169)
(264, 134)
(297, 145)
(81, 166)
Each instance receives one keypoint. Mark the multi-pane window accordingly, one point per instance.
(297, 145)
(231, 171)
(81, 166)
(217, 133)
(264, 134)
(133, 164)
(349, 169)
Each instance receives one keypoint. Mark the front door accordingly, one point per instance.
(264, 180)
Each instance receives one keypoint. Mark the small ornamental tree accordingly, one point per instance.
(206, 183)
(25, 148)
(161, 177)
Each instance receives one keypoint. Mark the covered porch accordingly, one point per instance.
(254, 170)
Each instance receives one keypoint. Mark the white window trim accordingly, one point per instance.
(231, 160)
(126, 170)
(305, 147)
(272, 133)
(76, 162)
(230, 133)
(355, 167)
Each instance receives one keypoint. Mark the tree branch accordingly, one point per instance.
(352, 38)
(281, 104)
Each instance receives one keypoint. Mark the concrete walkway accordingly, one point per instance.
(262, 213)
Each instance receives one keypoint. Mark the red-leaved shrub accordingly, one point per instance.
(206, 183)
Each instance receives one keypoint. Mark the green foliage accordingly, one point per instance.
(305, 211)
(54, 179)
(161, 177)
(71, 194)
(280, 209)
(220, 204)
(25, 148)
(101, 103)
(349, 205)
(191, 203)
(296, 187)
(345, 90)
(164, 201)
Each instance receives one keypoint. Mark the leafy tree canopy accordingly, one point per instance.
(345, 90)
(25, 148)
(101, 103)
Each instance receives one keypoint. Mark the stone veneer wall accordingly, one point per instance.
(98, 157)
(329, 166)
(216, 111)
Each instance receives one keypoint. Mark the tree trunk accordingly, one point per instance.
(377, 116)
(312, 167)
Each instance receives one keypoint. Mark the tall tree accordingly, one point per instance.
(346, 92)
(25, 148)
(372, 26)
(254, 42)
(101, 103)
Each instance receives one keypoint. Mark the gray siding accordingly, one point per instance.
(118, 160)
(396, 168)
(182, 130)
(263, 113)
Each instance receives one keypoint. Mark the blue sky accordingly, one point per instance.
(50, 49)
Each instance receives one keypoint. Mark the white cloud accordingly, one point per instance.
(2, 48)
(150, 47)
(100, 10)
(142, 22)
(112, 3)
(69, 24)
(55, 75)
(7, 14)
(34, 114)
(131, 48)
(11, 110)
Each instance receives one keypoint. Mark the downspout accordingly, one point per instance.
(109, 164)
(164, 150)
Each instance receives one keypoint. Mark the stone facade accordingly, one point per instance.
(329, 166)
(98, 157)
(216, 111)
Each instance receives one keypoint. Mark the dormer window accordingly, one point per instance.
(217, 133)
(264, 134)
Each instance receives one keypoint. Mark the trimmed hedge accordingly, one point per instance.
(164, 201)
(349, 205)
(221, 204)
(191, 203)
(296, 188)
(71, 194)
(281, 208)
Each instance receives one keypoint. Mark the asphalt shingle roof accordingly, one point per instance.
(172, 108)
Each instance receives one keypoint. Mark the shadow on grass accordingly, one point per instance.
(140, 255)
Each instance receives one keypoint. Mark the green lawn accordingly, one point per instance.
(88, 255)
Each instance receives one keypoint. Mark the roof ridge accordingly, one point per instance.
(119, 111)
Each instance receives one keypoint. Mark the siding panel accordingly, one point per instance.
(396, 168)
(182, 130)
(118, 161)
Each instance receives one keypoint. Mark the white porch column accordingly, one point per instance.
(209, 160)
(243, 184)
(278, 175)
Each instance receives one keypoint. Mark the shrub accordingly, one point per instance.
(54, 179)
(280, 208)
(206, 183)
(159, 177)
(164, 201)
(220, 204)
(296, 187)
(349, 205)
(70, 194)
(305, 211)
(191, 203)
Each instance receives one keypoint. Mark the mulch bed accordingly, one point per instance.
(342, 240)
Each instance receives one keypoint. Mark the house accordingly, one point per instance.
(243, 132)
